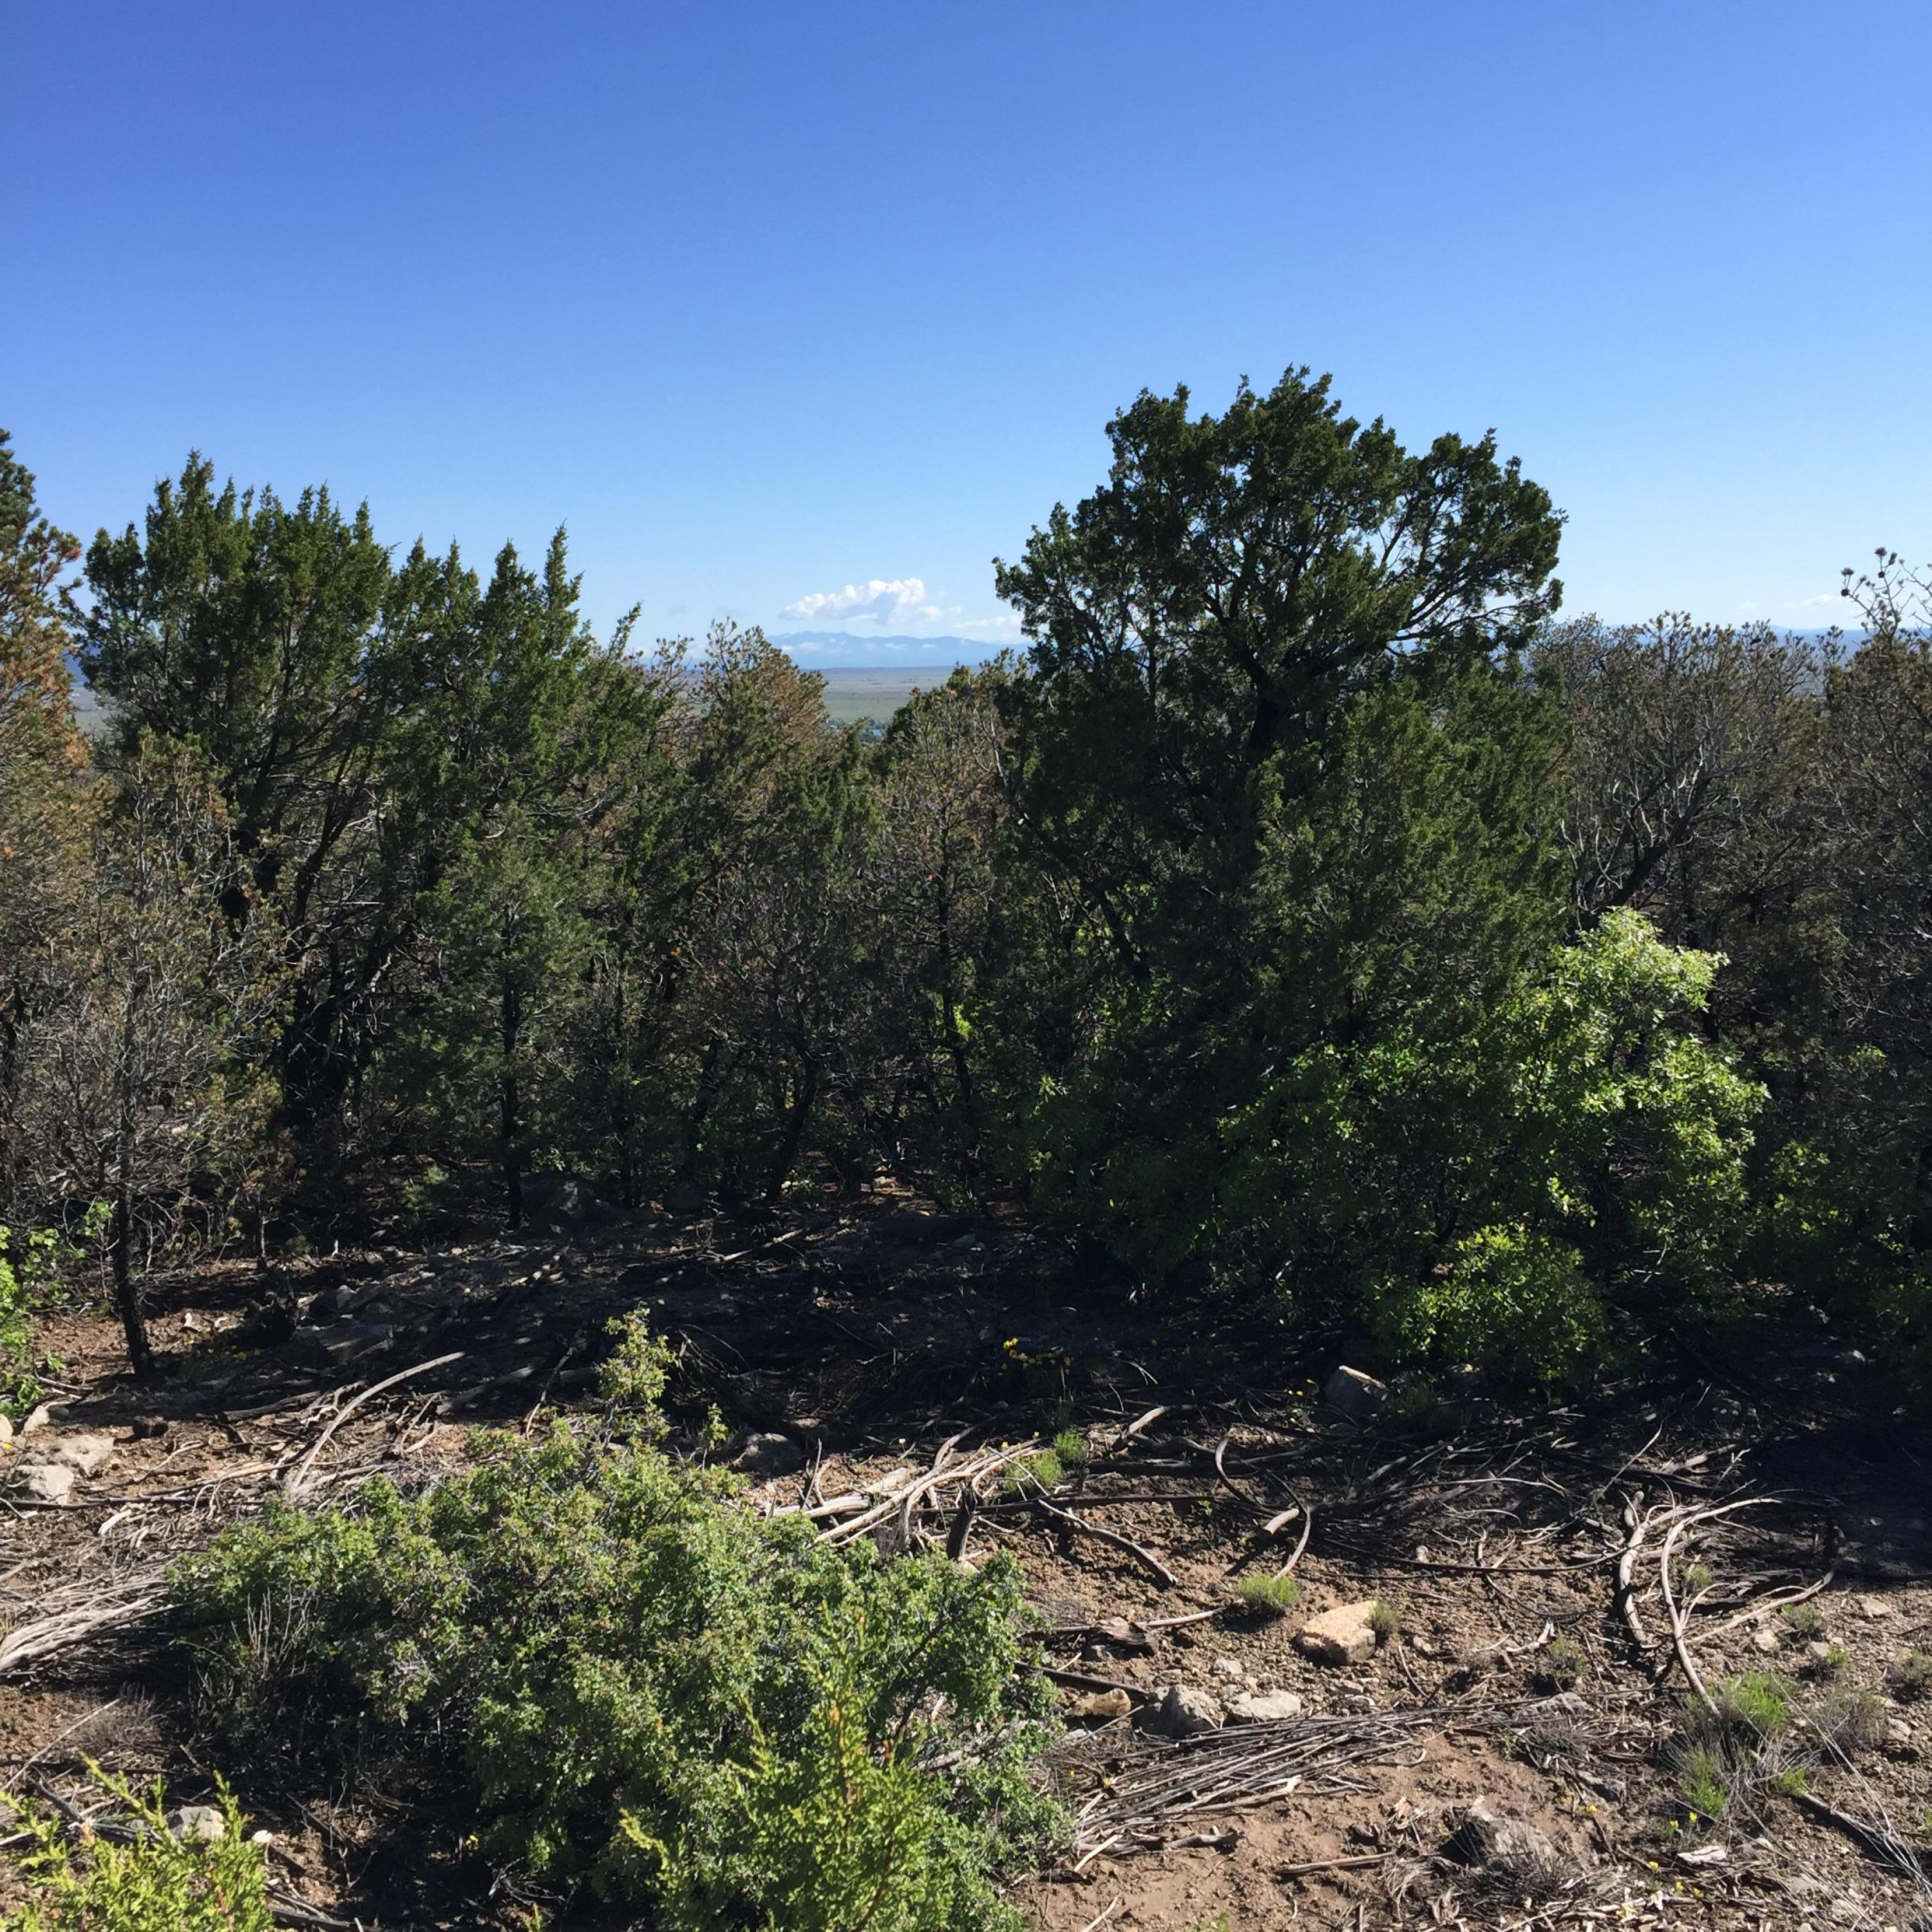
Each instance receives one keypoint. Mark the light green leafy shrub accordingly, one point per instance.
(1028, 1474)
(29, 1261)
(1515, 1302)
(1577, 1133)
(153, 1882)
(638, 1685)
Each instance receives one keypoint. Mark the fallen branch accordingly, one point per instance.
(1880, 1843)
(1154, 1567)
(298, 1479)
(1335, 1864)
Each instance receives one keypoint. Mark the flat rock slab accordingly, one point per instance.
(1343, 1635)
(43, 1482)
(85, 1455)
(1264, 1707)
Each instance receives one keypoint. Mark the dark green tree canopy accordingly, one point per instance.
(1202, 616)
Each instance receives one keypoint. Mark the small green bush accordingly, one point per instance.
(30, 1262)
(1270, 1597)
(1562, 1667)
(1757, 1703)
(1911, 1677)
(1041, 1471)
(1070, 1446)
(1728, 1759)
(1700, 1784)
(637, 1684)
(1805, 1622)
(632, 1379)
(1385, 1620)
(156, 1883)
(1515, 1302)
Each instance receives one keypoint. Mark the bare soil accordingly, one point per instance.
(1512, 1667)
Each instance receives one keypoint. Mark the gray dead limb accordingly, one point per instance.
(298, 1480)
(1141, 1795)
(83, 1613)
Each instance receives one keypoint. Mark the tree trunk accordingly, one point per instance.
(127, 1292)
(794, 1132)
(509, 1101)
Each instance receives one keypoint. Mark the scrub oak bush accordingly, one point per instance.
(629, 1682)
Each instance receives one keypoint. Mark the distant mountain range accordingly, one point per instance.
(841, 650)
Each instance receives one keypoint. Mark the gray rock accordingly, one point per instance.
(769, 1455)
(1353, 1395)
(201, 1824)
(1766, 1640)
(1183, 1712)
(1818, 1655)
(571, 1206)
(41, 1417)
(85, 1455)
(1228, 1667)
(1264, 1707)
(6, 1429)
(1489, 1836)
(1343, 1635)
(43, 1482)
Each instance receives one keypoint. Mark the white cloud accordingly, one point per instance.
(1006, 625)
(898, 600)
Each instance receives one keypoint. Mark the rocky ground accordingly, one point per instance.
(1468, 1706)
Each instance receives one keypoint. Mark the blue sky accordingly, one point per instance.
(801, 314)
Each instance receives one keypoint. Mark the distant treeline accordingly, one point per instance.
(1311, 916)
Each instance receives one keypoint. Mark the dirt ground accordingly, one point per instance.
(1526, 1661)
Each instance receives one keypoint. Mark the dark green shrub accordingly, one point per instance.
(630, 1682)
(154, 1882)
